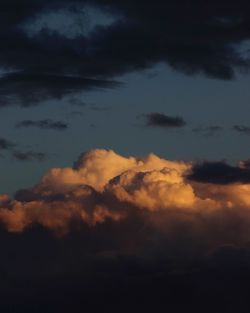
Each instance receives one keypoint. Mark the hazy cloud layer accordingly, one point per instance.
(30, 88)
(43, 124)
(29, 155)
(208, 131)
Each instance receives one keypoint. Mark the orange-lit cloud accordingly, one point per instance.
(103, 185)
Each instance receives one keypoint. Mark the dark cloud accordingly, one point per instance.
(209, 131)
(242, 129)
(29, 156)
(43, 124)
(87, 272)
(164, 121)
(28, 88)
(191, 37)
(219, 173)
(6, 144)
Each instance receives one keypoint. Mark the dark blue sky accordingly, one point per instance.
(113, 119)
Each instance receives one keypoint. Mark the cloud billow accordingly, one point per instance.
(103, 187)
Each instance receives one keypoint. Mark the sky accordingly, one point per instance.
(124, 156)
(202, 102)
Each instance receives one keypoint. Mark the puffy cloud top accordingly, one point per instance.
(105, 186)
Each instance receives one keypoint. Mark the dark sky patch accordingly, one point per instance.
(100, 108)
(77, 102)
(76, 113)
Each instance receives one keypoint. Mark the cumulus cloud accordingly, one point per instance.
(105, 187)
(139, 226)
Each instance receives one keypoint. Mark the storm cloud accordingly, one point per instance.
(48, 64)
